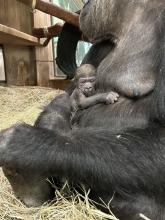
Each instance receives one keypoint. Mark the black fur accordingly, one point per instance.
(120, 163)
(55, 113)
(158, 98)
(98, 52)
(117, 150)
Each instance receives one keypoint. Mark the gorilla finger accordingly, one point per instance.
(111, 97)
(110, 101)
(115, 94)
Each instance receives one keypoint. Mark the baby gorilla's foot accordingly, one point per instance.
(112, 97)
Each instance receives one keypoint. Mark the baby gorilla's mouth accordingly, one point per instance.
(88, 92)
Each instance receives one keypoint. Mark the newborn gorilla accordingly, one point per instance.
(84, 95)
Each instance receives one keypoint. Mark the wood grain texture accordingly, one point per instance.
(15, 18)
(10, 35)
(44, 55)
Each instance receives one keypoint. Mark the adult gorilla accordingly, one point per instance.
(117, 148)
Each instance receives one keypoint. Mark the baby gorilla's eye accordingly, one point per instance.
(92, 80)
(82, 81)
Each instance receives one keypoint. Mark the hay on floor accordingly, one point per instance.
(24, 104)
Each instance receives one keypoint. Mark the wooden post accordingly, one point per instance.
(44, 55)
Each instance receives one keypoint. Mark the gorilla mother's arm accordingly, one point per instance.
(93, 157)
(46, 153)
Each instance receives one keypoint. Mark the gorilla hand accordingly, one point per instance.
(112, 97)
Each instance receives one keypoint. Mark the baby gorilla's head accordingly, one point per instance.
(85, 79)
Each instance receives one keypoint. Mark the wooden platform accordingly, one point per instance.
(12, 36)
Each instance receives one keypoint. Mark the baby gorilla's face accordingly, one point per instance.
(87, 85)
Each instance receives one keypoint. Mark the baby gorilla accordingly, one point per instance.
(84, 94)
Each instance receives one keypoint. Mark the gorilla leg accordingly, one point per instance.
(130, 164)
(140, 207)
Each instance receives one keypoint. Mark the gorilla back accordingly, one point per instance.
(117, 149)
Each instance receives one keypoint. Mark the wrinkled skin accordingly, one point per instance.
(85, 79)
(116, 148)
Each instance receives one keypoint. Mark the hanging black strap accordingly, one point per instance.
(66, 49)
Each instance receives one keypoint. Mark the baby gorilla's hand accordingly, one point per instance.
(112, 97)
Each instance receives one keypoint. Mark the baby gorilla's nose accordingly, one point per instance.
(88, 89)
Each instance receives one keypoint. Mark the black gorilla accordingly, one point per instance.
(117, 148)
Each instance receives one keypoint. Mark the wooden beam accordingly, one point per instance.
(12, 36)
(48, 32)
(54, 10)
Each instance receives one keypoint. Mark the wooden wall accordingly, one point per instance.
(44, 55)
(17, 15)
(27, 65)
(45, 58)
(19, 60)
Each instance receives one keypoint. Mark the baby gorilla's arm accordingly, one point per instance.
(112, 97)
(108, 98)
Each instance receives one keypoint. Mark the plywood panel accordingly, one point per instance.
(16, 15)
(20, 66)
(19, 60)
